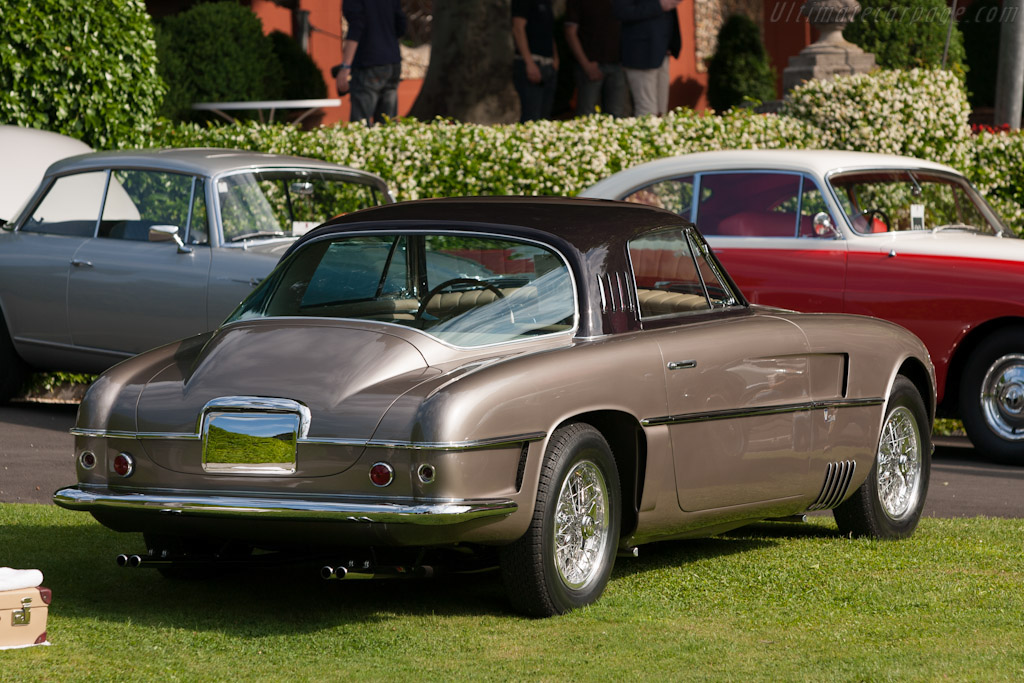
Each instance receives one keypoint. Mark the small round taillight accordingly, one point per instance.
(381, 474)
(124, 464)
(87, 460)
(426, 473)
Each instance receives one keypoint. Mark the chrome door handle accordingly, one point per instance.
(682, 364)
(78, 263)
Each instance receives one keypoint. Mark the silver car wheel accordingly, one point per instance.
(899, 464)
(581, 525)
(1002, 397)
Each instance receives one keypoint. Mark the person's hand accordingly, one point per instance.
(592, 70)
(669, 4)
(533, 72)
(341, 81)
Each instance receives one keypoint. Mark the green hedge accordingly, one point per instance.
(919, 112)
(84, 69)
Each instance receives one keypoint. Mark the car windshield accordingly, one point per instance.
(464, 289)
(290, 202)
(882, 201)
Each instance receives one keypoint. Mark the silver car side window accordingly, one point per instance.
(71, 207)
(666, 274)
(138, 200)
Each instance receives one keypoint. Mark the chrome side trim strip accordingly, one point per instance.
(759, 412)
(196, 504)
(475, 444)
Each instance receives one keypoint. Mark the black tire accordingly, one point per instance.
(992, 397)
(889, 502)
(530, 568)
(13, 370)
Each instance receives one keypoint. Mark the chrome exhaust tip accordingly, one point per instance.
(122, 560)
(328, 572)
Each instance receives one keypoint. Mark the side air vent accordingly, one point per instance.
(615, 296)
(837, 482)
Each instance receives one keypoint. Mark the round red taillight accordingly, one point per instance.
(381, 474)
(124, 464)
(87, 460)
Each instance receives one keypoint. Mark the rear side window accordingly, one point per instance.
(71, 207)
(675, 195)
(675, 273)
(749, 204)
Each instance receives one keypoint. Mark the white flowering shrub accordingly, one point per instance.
(921, 113)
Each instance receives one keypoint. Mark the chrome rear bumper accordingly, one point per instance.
(198, 504)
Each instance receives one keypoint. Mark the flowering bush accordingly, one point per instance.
(920, 113)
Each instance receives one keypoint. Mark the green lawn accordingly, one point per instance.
(772, 602)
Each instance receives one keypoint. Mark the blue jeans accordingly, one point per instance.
(610, 93)
(374, 91)
(536, 99)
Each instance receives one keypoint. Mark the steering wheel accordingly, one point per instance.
(474, 284)
(871, 215)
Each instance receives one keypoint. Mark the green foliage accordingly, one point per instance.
(302, 77)
(981, 27)
(739, 71)
(216, 52)
(903, 34)
(84, 69)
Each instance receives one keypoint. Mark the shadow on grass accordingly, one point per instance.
(79, 566)
(668, 554)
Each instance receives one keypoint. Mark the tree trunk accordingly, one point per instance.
(470, 74)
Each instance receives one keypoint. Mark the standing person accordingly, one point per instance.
(371, 62)
(650, 33)
(535, 67)
(592, 32)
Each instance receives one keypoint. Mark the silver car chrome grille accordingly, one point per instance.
(837, 482)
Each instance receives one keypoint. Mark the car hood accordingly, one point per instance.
(348, 375)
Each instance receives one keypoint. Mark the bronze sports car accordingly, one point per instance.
(540, 383)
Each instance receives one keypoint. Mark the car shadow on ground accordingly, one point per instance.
(78, 563)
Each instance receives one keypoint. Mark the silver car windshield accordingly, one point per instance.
(890, 200)
(288, 202)
(466, 290)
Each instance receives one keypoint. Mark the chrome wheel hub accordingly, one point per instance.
(899, 464)
(581, 525)
(1002, 397)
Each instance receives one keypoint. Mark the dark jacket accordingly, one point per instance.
(648, 33)
(376, 25)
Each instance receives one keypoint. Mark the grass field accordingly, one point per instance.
(770, 602)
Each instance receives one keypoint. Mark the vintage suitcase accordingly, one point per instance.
(23, 617)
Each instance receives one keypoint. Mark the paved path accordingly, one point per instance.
(36, 459)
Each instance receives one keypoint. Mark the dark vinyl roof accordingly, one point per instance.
(585, 224)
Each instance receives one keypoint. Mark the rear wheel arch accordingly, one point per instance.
(13, 370)
(918, 374)
(626, 438)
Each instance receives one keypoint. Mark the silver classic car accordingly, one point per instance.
(539, 384)
(119, 252)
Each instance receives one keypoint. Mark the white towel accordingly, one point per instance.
(16, 579)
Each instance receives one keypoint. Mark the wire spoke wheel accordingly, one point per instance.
(581, 525)
(899, 463)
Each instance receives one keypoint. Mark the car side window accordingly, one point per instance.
(675, 195)
(666, 274)
(749, 204)
(138, 200)
(71, 207)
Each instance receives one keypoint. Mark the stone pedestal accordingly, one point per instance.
(832, 55)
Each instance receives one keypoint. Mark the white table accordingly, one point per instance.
(310, 106)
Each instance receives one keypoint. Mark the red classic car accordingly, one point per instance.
(893, 237)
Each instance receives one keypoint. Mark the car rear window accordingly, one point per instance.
(466, 290)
